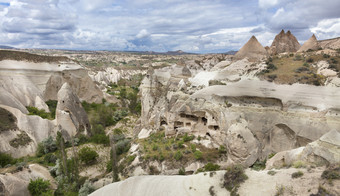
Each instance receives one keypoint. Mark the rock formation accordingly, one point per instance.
(324, 151)
(16, 183)
(70, 115)
(330, 43)
(310, 44)
(284, 42)
(253, 50)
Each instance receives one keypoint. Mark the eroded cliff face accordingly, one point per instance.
(32, 83)
(251, 118)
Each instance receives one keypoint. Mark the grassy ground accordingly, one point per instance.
(296, 68)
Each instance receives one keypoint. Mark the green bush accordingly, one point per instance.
(130, 158)
(187, 138)
(52, 106)
(297, 174)
(86, 189)
(88, 155)
(259, 165)
(100, 139)
(42, 113)
(181, 171)
(122, 146)
(48, 145)
(6, 159)
(233, 177)
(222, 149)
(38, 187)
(211, 167)
(178, 155)
(193, 147)
(198, 155)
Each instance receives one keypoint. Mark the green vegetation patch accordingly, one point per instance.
(233, 178)
(175, 150)
(88, 156)
(8, 120)
(331, 173)
(6, 159)
(42, 113)
(39, 187)
(22, 139)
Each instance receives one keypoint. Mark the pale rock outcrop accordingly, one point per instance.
(310, 44)
(323, 151)
(70, 115)
(17, 183)
(330, 43)
(242, 146)
(323, 69)
(209, 183)
(36, 129)
(284, 42)
(253, 50)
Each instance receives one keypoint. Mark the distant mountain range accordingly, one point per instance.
(6, 47)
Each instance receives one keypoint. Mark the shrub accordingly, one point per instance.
(178, 155)
(198, 155)
(211, 167)
(6, 159)
(259, 165)
(48, 145)
(297, 57)
(222, 149)
(326, 56)
(88, 155)
(310, 60)
(180, 144)
(22, 139)
(38, 187)
(130, 158)
(52, 106)
(154, 147)
(297, 174)
(42, 113)
(193, 147)
(101, 139)
(271, 172)
(233, 177)
(331, 173)
(122, 146)
(86, 189)
(299, 164)
(301, 69)
(272, 77)
(187, 138)
(181, 171)
(271, 66)
(50, 158)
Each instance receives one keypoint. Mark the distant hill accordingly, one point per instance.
(6, 47)
(231, 52)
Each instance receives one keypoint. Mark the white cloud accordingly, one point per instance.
(142, 34)
(328, 28)
(267, 3)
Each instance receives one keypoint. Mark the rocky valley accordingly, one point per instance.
(265, 121)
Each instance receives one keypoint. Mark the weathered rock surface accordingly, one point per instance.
(209, 183)
(253, 50)
(35, 130)
(70, 115)
(284, 42)
(17, 183)
(323, 151)
(310, 44)
(274, 117)
(330, 43)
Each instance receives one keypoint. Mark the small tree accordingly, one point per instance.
(38, 186)
(88, 155)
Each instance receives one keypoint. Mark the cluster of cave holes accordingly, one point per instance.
(193, 119)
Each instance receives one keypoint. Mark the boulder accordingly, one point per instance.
(242, 146)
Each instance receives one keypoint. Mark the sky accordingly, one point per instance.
(199, 26)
